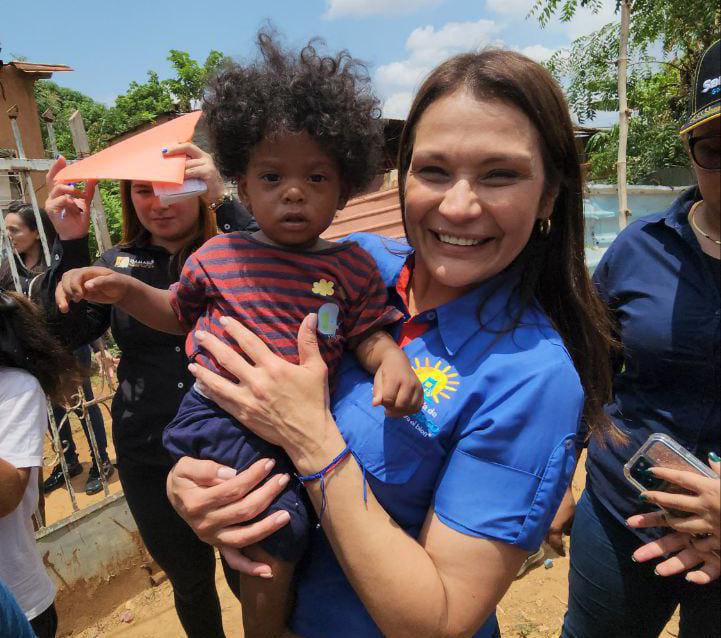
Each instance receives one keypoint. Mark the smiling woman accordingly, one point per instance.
(473, 191)
(425, 525)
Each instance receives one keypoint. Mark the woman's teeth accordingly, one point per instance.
(458, 241)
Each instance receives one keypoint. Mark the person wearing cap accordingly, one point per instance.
(662, 281)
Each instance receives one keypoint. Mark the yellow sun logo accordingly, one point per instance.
(323, 288)
(436, 381)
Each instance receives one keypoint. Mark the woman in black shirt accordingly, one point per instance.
(152, 373)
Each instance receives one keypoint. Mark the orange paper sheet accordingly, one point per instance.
(139, 157)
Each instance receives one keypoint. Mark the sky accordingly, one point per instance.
(108, 45)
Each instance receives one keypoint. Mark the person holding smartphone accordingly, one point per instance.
(662, 280)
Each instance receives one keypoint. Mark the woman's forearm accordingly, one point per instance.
(393, 575)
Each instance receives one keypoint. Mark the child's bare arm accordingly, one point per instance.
(151, 306)
(396, 387)
(148, 305)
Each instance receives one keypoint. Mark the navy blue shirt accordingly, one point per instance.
(663, 292)
(491, 452)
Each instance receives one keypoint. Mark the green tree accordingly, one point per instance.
(653, 139)
(63, 102)
(141, 103)
(187, 86)
(658, 89)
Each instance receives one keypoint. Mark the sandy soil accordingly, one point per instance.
(532, 608)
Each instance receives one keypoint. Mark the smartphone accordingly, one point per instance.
(660, 450)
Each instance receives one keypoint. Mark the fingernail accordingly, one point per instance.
(714, 457)
(266, 574)
(283, 480)
(226, 473)
(163, 150)
(647, 471)
(269, 465)
(200, 334)
(643, 498)
(282, 517)
(633, 558)
(655, 571)
(192, 368)
(223, 321)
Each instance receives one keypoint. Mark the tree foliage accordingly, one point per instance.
(653, 139)
(658, 89)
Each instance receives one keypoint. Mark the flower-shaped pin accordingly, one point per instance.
(323, 288)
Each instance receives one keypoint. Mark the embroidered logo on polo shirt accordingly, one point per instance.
(423, 424)
(435, 380)
(124, 261)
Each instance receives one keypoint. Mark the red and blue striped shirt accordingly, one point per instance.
(271, 289)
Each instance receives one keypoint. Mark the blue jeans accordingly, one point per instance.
(610, 596)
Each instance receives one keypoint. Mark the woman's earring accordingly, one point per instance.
(544, 226)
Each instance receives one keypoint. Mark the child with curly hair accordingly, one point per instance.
(301, 133)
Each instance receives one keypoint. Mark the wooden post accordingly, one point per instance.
(623, 116)
(97, 211)
(12, 113)
(49, 118)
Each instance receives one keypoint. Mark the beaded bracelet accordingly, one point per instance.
(308, 478)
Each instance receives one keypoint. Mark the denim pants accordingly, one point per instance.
(610, 596)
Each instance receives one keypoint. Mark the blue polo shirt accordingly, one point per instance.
(664, 293)
(491, 452)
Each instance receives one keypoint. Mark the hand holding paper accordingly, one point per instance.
(200, 165)
(68, 207)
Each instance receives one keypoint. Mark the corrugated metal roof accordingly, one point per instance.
(378, 213)
(30, 67)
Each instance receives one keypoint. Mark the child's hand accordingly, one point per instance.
(95, 284)
(396, 387)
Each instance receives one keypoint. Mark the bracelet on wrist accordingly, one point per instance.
(320, 476)
(225, 198)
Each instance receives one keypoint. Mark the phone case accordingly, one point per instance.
(662, 451)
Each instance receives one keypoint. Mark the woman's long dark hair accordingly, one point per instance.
(552, 267)
(26, 343)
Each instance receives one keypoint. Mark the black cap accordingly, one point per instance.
(706, 97)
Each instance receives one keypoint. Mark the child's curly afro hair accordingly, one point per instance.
(329, 97)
